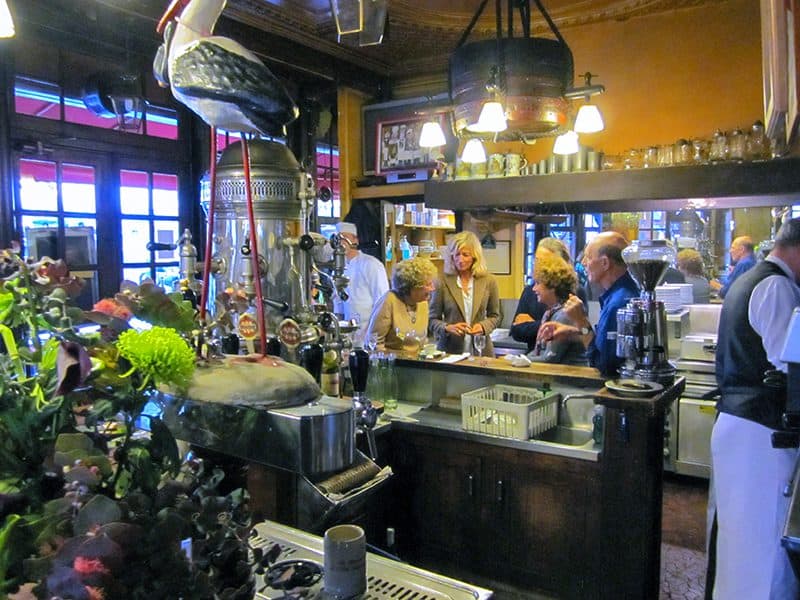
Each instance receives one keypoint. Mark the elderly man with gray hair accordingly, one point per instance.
(748, 473)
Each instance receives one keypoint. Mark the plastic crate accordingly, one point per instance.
(509, 411)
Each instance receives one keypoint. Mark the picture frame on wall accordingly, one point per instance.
(397, 146)
(498, 259)
(412, 109)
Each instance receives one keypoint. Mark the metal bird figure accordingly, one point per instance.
(216, 77)
(228, 87)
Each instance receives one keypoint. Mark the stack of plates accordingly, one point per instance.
(674, 295)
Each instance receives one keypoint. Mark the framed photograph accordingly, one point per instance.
(412, 110)
(397, 146)
(498, 259)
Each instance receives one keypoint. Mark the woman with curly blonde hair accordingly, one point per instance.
(467, 299)
(555, 281)
(404, 308)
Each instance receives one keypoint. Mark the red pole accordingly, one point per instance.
(212, 176)
(262, 331)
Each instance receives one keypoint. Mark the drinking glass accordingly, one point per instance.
(479, 341)
(371, 342)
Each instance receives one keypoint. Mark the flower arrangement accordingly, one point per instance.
(91, 505)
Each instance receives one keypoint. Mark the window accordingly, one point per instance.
(328, 176)
(56, 211)
(46, 100)
(653, 225)
(149, 213)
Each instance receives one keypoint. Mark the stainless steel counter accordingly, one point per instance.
(413, 417)
(385, 578)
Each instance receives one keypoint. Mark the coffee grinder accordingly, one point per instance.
(642, 325)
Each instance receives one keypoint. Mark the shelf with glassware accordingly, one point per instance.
(411, 229)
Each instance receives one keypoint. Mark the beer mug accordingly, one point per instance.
(496, 166)
(478, 170)
(463, 170)
(514, 164)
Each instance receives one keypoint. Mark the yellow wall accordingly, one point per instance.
(678, 74)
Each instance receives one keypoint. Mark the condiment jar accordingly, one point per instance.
(757, 145)
(737, 145)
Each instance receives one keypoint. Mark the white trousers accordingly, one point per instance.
(749, 478)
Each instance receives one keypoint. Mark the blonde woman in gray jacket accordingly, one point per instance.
(467, 300)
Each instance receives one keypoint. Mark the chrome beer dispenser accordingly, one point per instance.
(642, 325)
(281, 195)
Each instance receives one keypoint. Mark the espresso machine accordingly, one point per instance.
(642, 337)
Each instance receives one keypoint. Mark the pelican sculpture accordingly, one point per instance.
(228, 87)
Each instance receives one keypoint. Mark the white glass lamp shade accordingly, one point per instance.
(491, 120)
(566, 143)
(431, 135)
(474, 152)
(589, 119)
(349, 16)
(6, 22)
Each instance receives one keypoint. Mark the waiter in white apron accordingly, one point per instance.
(748, 474)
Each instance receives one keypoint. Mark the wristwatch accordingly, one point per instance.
(586, 330)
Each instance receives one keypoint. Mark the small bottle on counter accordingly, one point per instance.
(329, 379)
(598, 418)
(389, 383)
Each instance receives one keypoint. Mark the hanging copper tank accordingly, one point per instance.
(538, 71)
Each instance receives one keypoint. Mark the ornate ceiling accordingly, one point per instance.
(420, 35)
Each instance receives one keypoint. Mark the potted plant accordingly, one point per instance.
(95, 500)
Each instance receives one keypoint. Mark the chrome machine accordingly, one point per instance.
(270, 423)
(642, 336)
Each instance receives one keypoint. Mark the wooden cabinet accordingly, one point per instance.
(505, 514)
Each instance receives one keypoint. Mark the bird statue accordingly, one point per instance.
(229, 88)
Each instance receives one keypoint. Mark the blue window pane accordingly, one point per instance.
(166, 232)
(80, 240)
(38, 188)
(135, 237)
(136, 274)
(168, 278)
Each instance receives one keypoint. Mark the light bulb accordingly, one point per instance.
(589, 119)
(474, 152)
(431, 135)
(566, 143)
(491, 120)
(6, 22)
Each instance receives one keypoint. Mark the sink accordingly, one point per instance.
(567, 436)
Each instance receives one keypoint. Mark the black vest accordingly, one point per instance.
(741, 359)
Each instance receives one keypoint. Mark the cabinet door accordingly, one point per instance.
(444, 489)
(539, 505)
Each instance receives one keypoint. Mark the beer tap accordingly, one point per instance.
(366, 414)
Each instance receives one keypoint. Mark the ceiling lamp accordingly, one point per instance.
(359, 22)
(432, 135)
(348, 15)
(566, 143)
(474, 152)
(6, 22)
(533, 74)
(493, 115)
(589, 119)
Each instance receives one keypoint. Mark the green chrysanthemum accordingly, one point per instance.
(159, 354)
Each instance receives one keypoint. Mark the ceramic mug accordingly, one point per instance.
(514, 164)
(345, 561)
(496, 166)
(463, 170)
(478, 170)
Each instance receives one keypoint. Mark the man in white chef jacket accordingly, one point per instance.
(368, 280)
(748, 474)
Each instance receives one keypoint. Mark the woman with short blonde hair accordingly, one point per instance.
(467, 299)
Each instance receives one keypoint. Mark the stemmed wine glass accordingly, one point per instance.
(371, 342)
(479, 341)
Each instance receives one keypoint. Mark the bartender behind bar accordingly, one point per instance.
(748, 474)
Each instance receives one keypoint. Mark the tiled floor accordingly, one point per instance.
(683, 536)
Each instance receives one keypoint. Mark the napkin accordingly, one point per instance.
(454, 358)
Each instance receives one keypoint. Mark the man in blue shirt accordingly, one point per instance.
(602, 259)
(742, 257)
